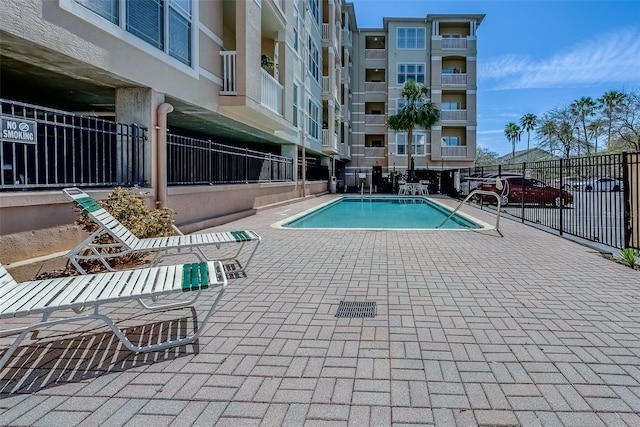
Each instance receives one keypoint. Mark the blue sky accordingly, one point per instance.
(535, 55)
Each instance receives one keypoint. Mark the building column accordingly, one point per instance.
(291, 150)
(139, 106)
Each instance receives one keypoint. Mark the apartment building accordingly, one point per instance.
(292, 80)
(438, 51)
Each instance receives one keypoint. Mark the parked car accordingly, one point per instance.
(601, 184)
(529, 190)
(471, 182)
(569, 183)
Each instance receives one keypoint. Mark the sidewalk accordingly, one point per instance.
(470, 329)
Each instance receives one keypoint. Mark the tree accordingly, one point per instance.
(594, 129)
(558, 125)
(610, 103)
(418, 110)
(485, 157)
(528, 123)
(627, 121)
(547, 133)
(513, 132)
(584, 108)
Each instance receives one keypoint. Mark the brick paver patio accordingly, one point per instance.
(471, 329)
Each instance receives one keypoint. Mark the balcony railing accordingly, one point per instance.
(375, 86)
(375, 53)
(454, 151)
(329, 140)
(271, 93)
(454, 43)
(345, 150)
(228, 72)
(458, 115)
(346, 38)
(327, 32)
(454, 79)
(375, 119)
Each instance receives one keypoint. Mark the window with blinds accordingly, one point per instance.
(164, 24)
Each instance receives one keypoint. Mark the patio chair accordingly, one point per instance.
(403, 189)
(419, 189)
(127, 243)
(85, 295)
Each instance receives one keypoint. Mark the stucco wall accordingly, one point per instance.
(41, 223)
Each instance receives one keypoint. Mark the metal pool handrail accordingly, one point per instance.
(473, 193)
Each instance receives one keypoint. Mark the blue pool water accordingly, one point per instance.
(382, 213)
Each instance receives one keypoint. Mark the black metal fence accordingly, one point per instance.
(604, 192)
(315, 172)
(46, 148)
(192, 161)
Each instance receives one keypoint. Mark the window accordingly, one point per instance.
(108, 9)
(314, 120)
(314, 60)
(295, 105)
(410, 72)
(401, 102)
(450, 106)
(418, 147)
(164, 24)
(411, 38)
(450, 141)
(296, 29)
(315, 10)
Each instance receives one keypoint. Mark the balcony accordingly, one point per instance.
(375, 86)
(328, 89)
(454, 43)
(228, 72)
(453, 115)
(454, 151)
(271, 93)
(375, 119)
(454, 79)
(375, 53)
(345, 150)
(329, 142)
(346, 38)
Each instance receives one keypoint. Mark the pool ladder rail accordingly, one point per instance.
(499, 186)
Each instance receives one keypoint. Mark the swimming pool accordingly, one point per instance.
(381, 213)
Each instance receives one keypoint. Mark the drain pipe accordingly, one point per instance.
(161, 155)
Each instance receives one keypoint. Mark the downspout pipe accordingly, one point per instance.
(161, 156)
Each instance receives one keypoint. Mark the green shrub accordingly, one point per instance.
(629, 257)
(127, 206)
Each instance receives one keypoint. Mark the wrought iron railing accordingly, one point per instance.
(51, 149)
(604, 193)
(192, 161)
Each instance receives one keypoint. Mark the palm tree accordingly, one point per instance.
(584, 108)
(513, 132)
(417, 111)
(610, 102)
(528, 123)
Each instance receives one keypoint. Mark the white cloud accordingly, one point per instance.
(607, 58)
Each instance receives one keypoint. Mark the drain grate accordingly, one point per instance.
(356, 309)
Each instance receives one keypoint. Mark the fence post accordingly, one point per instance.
(628, 220)
(246, 166)
(524, 176)
(561, 216)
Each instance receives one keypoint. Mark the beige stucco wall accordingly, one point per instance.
(40, 223)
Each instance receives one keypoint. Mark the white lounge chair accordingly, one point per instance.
(127, 243)
(85, 295)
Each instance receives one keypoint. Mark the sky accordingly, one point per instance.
(535, 55)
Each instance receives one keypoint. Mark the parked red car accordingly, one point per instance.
(517, 189)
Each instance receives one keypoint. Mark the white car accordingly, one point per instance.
(601, 184)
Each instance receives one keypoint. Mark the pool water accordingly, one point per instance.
(382, 213)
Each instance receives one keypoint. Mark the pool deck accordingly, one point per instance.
(471, 329)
